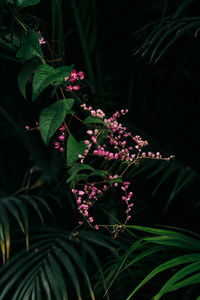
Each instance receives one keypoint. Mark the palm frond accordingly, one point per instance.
(166, 31)
(181, 260)
(16, 207)
(50, 267)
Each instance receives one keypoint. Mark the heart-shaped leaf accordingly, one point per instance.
(30, 46)
(23, 77)
(74, 148)
(46, 75)
(53, 116)
(117, 179)
(76, 169)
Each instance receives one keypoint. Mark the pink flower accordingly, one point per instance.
(76, 87)
(61, 137)
(56, 145)
(81, 75)
(93, 113)
(42, 40)
(81, 193)
(90, 132)
(74, 76)
(69, 88)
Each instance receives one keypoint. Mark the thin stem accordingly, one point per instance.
(23, 26)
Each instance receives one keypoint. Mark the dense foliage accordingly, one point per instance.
(81, 80)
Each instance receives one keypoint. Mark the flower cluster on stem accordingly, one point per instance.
(59, 144)
(88, 194)
(74, 76)
(112, 142)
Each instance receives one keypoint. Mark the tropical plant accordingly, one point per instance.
(174, 252)
(44, 131)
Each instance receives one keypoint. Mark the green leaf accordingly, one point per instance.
(46, 75)
(23, 77)
(67, 264)
(118, 179)
(74, 148)
(177, 277)
(25, 3)
(30, 46)
(53, 116)
(189, 258)
(92, 119)
(79, 177)
(76, 169)
(61, 282)
(100, 173)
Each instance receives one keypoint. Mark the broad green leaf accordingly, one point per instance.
(23, 77)
(76, 169)
(74, 148)
(92, 119)
(53, 116)
(25, 3)
(46, 75)
(30, 46)
(79, 167)
(100, 173)
(79, 177)
(117, 179)
(84, 177)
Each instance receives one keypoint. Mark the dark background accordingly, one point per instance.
(107, 40)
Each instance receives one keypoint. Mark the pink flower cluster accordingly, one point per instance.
(116, 137)
(74, 76)
(95, 113)
(90, 193)
(61, 137)
(111, 141)
(115, 143)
